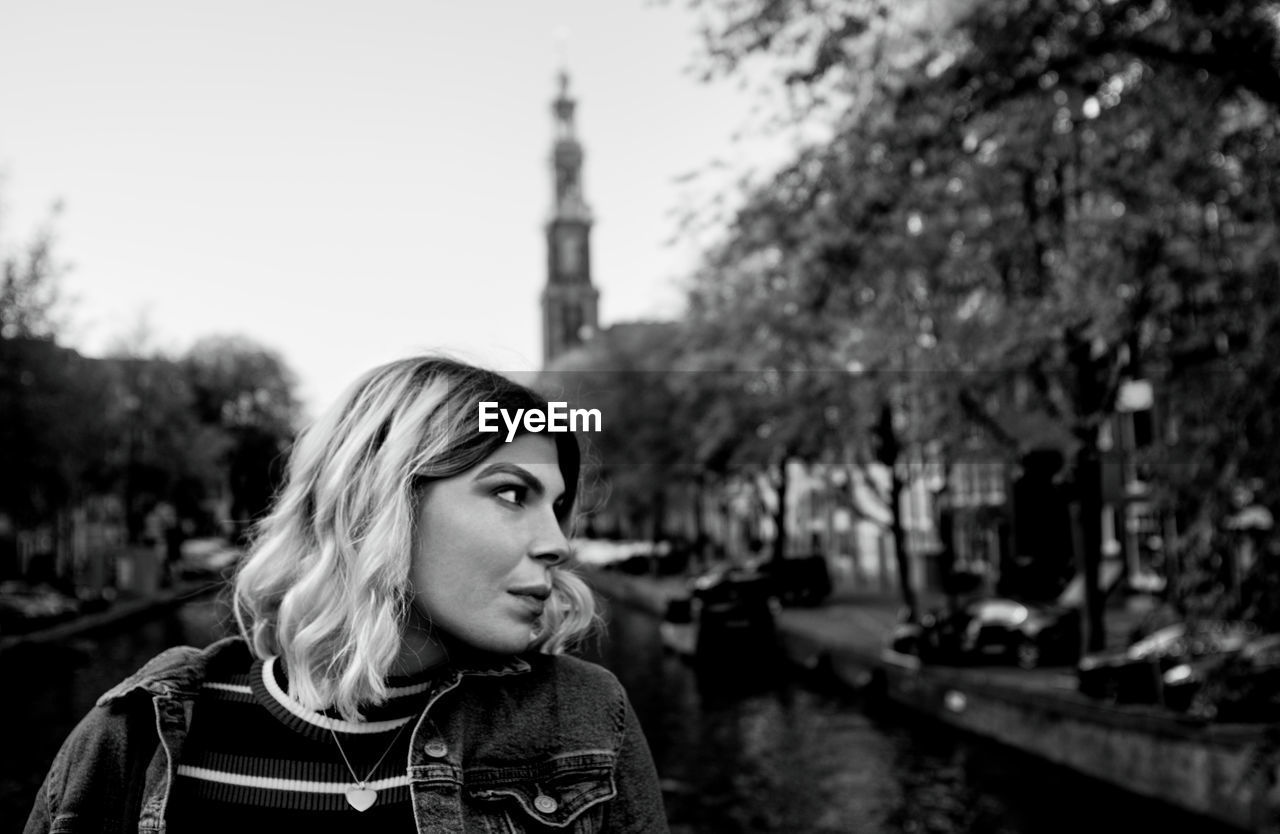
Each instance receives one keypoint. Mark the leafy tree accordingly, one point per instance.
(1034, 198)
(51, 434)
(763, 351)
(159, 452)
(238, 382)
(247, 392)
(639, 462)
(30, 298)
(843, 41)
(50, 441)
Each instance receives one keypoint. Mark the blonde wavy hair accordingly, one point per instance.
(326, 585)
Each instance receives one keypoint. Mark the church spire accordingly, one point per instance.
(570, 204)
(569, 300)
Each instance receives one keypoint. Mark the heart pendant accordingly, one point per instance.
(361, 798)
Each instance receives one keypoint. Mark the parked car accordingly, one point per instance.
(1245, 686)
(207, 558)
(1239, 683)
(728, 613)
(1165, 667)
(994, 630)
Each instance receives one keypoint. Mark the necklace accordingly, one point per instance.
(361, 796)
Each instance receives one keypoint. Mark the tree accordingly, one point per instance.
(246, 391)
(50, 441)
(1039, 197)
(30, 298)
(160, 453)
(764, 351)
(638, 463)
(843, 41)
(51, 435)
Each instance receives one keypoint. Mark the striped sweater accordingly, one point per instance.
(255, 760)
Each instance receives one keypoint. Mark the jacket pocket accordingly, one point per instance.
(566, 792)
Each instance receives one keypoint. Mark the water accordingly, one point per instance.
(48, 689)
(772, 754)
(763, 754)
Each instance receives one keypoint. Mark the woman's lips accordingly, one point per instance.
(530, 602)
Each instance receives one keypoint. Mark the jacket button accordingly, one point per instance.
(545, 804)
(437, 749)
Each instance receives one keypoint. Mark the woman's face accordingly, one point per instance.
(486, 540)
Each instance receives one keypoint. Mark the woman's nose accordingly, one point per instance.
(550, 545)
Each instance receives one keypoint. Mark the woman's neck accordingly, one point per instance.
(420, 648)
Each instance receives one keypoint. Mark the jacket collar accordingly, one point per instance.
(176, 671)
(472, 662)
(179, 671)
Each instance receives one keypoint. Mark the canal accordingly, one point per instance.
(780, 755)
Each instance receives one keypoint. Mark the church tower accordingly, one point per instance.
(569, 300)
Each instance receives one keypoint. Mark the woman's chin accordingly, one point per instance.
(510, 642)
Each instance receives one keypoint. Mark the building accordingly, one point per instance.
(569, 300)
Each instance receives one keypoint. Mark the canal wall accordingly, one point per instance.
(119, 612)
(1224, 772)
(1228, 773)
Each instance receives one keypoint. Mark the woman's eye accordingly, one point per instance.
(512, 494)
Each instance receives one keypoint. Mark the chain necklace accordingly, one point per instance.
(361, 796)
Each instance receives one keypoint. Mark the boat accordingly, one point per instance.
(728, 613)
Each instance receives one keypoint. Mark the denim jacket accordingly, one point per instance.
(535, 742)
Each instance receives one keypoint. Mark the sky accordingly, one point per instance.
(347, 183)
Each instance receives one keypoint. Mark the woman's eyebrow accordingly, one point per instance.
(530, 480)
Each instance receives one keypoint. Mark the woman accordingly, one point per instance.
(402, 615)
